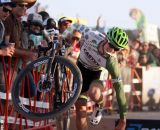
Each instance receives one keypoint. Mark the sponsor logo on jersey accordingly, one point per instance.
(90, 57)
(82, 28)
(87, 30)
(92, 44)
(86, 37)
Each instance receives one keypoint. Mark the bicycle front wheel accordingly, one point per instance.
(36, 99)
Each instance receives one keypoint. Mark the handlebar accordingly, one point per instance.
(53, 44)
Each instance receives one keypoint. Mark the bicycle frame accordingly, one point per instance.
(52, 55)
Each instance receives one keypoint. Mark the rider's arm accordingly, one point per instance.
(113, 68)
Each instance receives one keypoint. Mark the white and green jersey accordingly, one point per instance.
(89, 55)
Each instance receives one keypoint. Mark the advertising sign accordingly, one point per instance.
(143, 125)
(151, 85)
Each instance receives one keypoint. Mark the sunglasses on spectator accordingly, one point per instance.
(111, 46)
(22, 5)
(36, 24)
(6, 10)
(65, 24)
(76, 38)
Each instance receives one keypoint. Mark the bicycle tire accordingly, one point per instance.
(18, 89)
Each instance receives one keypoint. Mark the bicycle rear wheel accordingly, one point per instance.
(35, 99)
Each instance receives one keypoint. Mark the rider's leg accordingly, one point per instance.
(95, 93)
(88, 76)
(81, 113)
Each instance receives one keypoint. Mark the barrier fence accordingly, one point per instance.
(11, 120)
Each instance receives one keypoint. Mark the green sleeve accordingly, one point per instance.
(113, 68)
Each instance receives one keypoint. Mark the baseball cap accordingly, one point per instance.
(35, 18)
(63, 19)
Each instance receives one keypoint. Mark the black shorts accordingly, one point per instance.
(88, 76)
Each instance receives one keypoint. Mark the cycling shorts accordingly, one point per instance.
(88, 76)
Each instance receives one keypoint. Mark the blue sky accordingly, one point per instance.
(113, 12)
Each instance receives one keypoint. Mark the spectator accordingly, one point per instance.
(44, 15)
(136, 45)
(35, 31)
(64, 23)
(143, 60)
(5, 50)
(132, 57)
(50, 28)
(72, 53)
(156, 53)
(5, 9)
(51, 23)
(152, 46)
(146, 57)
(73, 50)
(13, 32)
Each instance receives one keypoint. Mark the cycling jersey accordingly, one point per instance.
(91, 59)
(89, 55)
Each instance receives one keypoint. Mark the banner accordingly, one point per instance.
(150, 34)
(143, 124)
(151, 85)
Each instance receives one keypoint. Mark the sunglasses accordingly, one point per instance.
(111, 46)
(66, 24)
(6, 10)
(36, 24)
(22, 5)
(76, 39)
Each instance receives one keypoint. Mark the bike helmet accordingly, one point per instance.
(118, 38)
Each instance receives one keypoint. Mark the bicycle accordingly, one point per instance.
(50, 91)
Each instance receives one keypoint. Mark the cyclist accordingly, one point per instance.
(98, 50)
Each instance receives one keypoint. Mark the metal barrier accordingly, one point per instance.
(136, 90)
(9, 118)
(145, 89)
